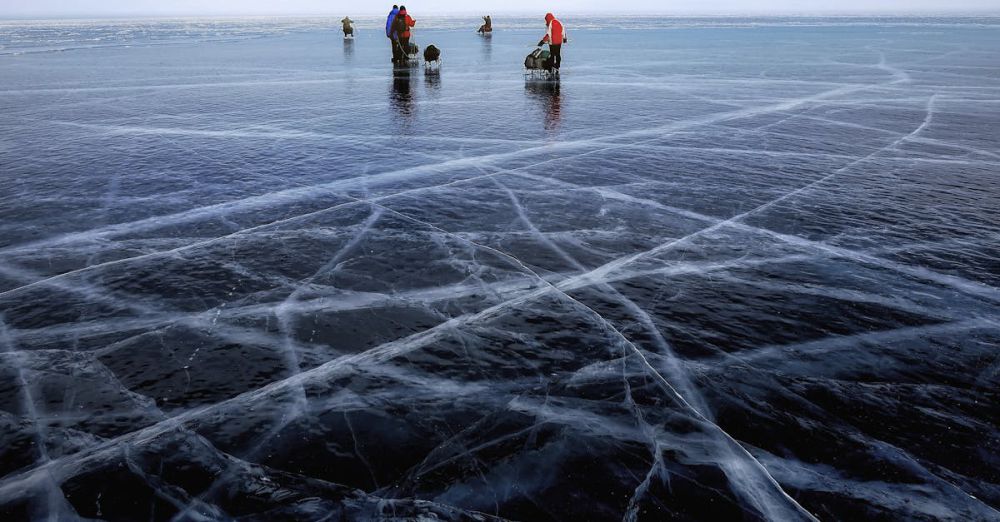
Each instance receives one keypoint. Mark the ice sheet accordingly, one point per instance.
(725, 269)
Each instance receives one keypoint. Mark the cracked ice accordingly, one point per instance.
(723, 271)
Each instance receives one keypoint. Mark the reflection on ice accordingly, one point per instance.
(348, 49)
(402, 96)
(549, 98)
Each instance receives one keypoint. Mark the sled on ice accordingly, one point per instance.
(538, 66)
(432, 59)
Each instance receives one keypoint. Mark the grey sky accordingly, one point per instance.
(94, 8)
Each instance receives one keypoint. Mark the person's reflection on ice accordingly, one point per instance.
(550, 99)
(348, 48)
(401, 97)
(487, 50)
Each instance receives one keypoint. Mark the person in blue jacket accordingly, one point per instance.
(390, 34)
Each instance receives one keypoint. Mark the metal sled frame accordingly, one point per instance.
(540, 75)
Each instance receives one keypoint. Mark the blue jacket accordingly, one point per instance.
(388, 24)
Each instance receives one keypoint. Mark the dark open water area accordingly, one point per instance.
(725, 269)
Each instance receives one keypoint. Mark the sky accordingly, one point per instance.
(97, 8)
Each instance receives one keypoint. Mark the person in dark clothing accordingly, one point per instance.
(487, 26)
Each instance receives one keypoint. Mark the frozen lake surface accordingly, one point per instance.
(728, 269)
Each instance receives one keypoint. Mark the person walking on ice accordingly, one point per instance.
(401, 28)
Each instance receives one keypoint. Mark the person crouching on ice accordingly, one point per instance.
(487, 26)
(555, 36)
(348, 26)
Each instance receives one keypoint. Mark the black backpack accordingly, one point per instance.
(400, 26)
(538, 59)
(531, 60)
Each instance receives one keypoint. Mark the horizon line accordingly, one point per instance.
(458, 14)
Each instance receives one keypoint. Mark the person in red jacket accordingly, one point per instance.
(401, 28)
(555, 36)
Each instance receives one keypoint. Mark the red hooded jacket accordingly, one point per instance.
(555, 35)
(410, 22)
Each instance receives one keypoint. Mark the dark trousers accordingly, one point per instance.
(404, 44)
(556, 55)
(397, 52)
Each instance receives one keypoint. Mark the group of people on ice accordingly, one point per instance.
(399, 23)
(397, 29)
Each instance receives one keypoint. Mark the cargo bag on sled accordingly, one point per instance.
(538, 59)
(431, 54)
